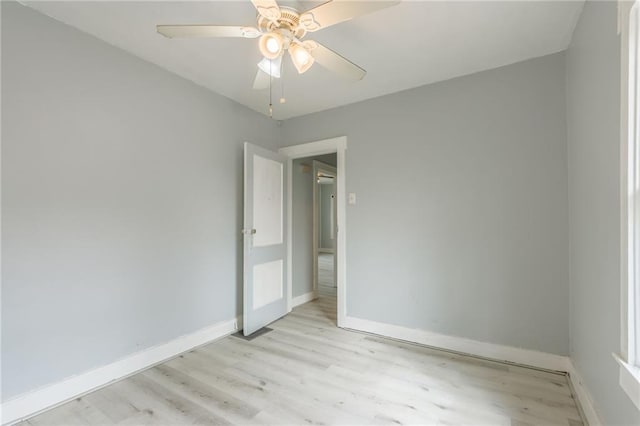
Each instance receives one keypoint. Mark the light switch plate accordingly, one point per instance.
(352, 198)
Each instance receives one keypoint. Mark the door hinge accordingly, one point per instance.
(246, 231)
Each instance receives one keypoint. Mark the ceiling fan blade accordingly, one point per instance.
(262, 80)
(194, 31)
(269, 9)
(334, 62)
(336, 11)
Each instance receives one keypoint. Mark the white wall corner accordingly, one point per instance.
(582, 395)
(492, 351)
(303, 298)
(34, 402)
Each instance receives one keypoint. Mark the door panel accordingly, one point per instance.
(268, 210)
(268, 283)
(265, 250)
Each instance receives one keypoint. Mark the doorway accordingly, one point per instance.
(300, 160)
(324, 226)
(314, 232)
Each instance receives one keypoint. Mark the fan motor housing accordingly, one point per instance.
(289, 20)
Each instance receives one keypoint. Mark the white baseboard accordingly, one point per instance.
(303, 298)
(31, 403)
(494, 351)
(583, 396)
(508, 354)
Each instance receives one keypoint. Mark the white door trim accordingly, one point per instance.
(336, 145)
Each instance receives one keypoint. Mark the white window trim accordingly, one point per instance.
(629, 176)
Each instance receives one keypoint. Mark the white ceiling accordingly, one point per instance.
(405, 46)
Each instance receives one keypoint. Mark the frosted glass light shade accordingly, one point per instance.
(271, 45)
(271, 66)
(300, 57)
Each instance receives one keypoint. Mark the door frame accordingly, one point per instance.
(338, 146)
(317, 224)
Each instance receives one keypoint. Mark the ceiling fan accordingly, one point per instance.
(282, 28)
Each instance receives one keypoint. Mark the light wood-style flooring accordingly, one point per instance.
(308, 371)
(326, 275)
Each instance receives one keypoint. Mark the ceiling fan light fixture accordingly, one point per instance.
(283, 28)
(271, 45)
(300, 57)
(271, 66)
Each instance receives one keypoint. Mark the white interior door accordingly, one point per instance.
(265, 239)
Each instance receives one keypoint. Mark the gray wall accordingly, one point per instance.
(121, 202)
(121, 192)
(326, 191)
(330, 159)
(471, 221)
(593, 122)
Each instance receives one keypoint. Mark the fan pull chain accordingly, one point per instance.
(282, 98)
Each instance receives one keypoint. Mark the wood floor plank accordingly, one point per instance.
(211, 398)
(308, 371)
(76, 412)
